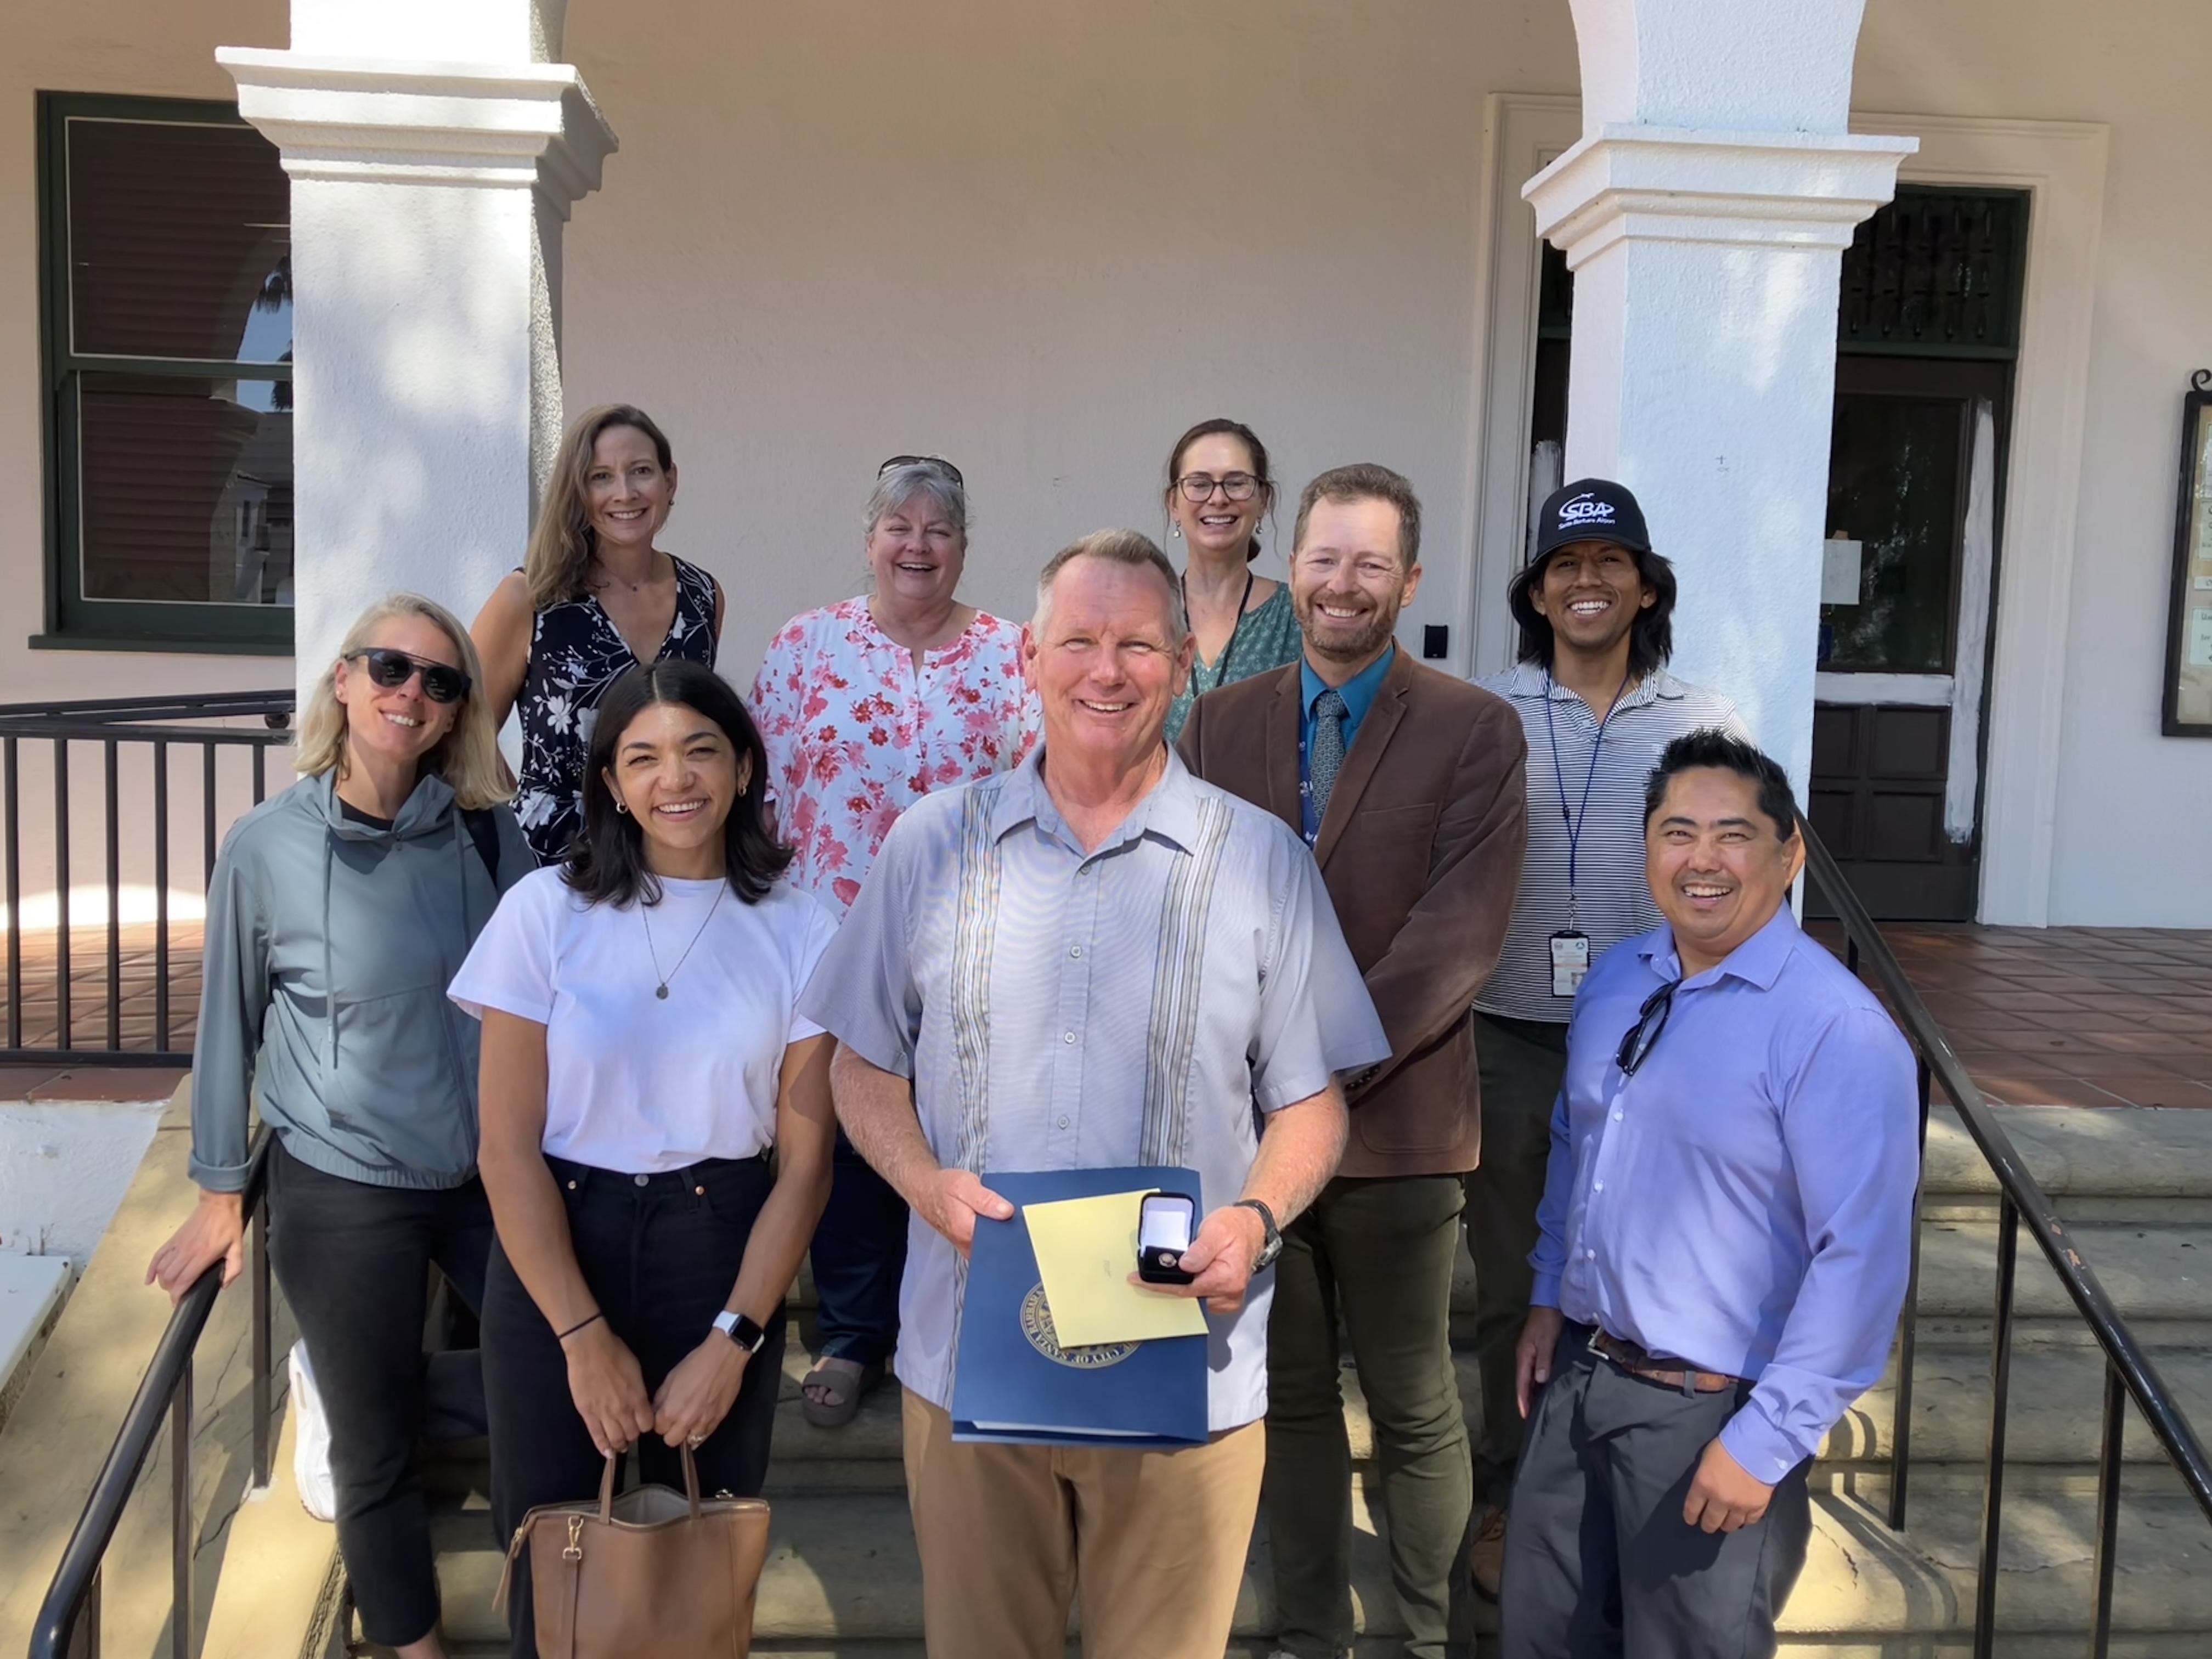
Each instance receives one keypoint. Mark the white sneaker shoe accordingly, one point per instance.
(311, 1444)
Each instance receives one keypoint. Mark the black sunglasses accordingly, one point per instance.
(1651, 1020)
(392, 669)
(937, 461)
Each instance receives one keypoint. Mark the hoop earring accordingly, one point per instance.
(621, 806)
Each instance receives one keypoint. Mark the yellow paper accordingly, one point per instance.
(1086, 1249)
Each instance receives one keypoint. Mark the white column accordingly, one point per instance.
(434, 153)
(1704, 213)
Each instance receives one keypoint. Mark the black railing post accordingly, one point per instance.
(84, 1641)
(2109, 1470)
(161, 896)
(14, 876)
(180, 1514)
(1985, 1588)
(207, 810)
(1908, 1341)
(62, 1021)
(114, 873)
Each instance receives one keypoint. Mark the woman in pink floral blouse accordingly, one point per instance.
(866, 706)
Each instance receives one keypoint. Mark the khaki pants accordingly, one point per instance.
(1154, 1542)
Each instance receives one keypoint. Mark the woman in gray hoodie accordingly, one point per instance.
(338, 913)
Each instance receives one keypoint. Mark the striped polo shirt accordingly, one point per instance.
(1612, 901)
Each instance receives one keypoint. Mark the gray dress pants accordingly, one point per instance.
(1598, 1562)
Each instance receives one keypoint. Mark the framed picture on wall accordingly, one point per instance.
(2188, 711)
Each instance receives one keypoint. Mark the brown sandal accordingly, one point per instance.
(846, 1382)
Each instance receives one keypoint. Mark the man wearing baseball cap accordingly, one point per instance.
(1595, 606)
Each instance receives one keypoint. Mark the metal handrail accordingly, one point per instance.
(149, 724)
(165, 1392)
(2129, 1374)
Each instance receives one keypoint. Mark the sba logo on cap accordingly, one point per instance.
(1585, 508)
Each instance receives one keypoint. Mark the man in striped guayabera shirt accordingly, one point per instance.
(1596, 606)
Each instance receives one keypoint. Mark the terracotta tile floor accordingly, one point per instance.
(2068, 1016)
(87, 982)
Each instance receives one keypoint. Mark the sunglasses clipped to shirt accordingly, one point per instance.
(1644, 1036)
(392, 669)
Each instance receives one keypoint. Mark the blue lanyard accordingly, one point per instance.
(1575, 823)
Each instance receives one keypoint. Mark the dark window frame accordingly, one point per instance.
(72, 621)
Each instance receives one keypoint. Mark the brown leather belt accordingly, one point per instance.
(1669, 1373)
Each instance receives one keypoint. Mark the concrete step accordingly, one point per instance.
(2158, 1274)
(2056, 1412)
(2141, 1163)
(842, 1569)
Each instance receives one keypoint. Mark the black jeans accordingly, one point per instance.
(353, 1261)
(1598, 1562)
(859, 1255)
(660, 1254)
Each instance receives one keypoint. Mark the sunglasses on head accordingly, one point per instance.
(392, 669)
(937, 461)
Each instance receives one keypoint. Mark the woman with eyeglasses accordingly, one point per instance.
(643, 1057)
(338, 912)
(866, 706)
(595, 598)
(1219, 489)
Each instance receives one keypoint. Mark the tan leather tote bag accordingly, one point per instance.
(653, 1571)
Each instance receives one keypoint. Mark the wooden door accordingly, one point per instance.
(1897, 722)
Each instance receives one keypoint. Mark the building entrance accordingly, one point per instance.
(1927, 329)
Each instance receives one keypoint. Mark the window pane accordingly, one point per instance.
(179, 242)
(186, 486)
(1894, 472)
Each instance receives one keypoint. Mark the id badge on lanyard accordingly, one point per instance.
(1569, 961)
(1570, 947)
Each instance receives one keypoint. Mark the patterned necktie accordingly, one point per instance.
(1325, 753)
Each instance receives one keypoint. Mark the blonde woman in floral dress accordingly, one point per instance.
(866, 706)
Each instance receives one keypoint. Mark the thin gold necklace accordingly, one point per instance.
(662, 989)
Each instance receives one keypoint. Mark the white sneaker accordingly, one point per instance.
(311, 1444)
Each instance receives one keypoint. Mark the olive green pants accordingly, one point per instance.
(1521, 1063)
(1376, 1254)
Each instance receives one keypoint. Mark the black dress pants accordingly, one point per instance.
(353, 1261)
(660, 1254)
(1598, 1562)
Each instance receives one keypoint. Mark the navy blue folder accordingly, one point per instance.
(1012, 1381)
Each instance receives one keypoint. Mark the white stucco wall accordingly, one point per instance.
(1042, 239)
(2133, 810)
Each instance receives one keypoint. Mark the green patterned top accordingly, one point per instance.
(1265, 638)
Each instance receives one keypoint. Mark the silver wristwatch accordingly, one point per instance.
(1272, 1243)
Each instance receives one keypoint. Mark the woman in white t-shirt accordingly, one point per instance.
(641, 1058)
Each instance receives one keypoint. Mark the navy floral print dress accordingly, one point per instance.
(576, 652)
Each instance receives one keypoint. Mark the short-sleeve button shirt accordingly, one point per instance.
(1064, 1010)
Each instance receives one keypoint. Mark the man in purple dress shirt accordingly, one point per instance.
(1726, 1227)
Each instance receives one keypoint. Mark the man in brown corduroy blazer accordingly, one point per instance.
(1409, 785)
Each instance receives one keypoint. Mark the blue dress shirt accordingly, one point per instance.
(1358, 694)
(1744, 1202)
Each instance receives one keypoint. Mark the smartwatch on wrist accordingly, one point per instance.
(1272, 1243)
(741, 1330)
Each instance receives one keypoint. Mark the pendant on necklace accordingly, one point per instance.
(661, 991)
